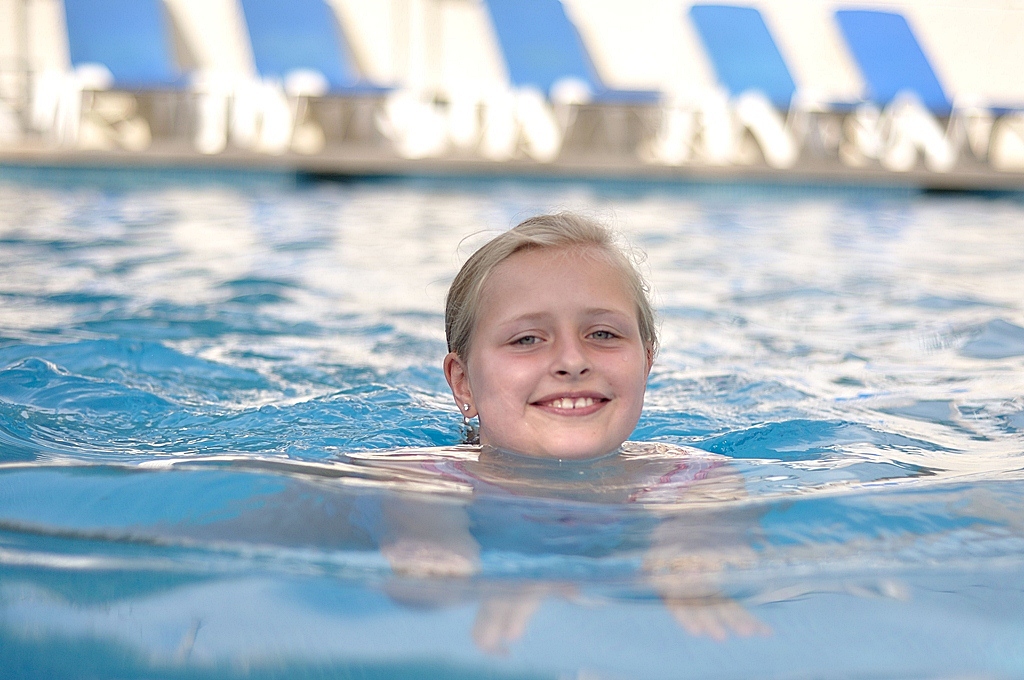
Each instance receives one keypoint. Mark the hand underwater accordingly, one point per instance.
(504, 618)
(418, 558)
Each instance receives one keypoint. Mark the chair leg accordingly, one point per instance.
(675, 142)
(756, 113)
(212, 122)
(1006, 152)
(542, 136)
(307, 135)
(718, 138)
(913, 128)
(276, 121)
(414, 124)
(500, 133)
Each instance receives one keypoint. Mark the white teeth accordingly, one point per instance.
(569, 403)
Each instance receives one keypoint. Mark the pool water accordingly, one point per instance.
(222, 411)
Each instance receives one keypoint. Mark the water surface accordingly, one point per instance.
(218, 391)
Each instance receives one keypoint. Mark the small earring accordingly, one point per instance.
(470, 435)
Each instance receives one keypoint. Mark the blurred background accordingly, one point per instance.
(926, 93)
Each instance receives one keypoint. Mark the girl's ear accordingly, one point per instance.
(458, 380)
(649, 350)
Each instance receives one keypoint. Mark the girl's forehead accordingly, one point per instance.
(579, 258)
(564, 275)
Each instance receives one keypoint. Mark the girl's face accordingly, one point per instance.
(557, 367)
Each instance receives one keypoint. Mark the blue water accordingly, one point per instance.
(215, 387)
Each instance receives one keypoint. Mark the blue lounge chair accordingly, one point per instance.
(122, 45)
(302, 35)
(542, 49)
(126, 46)
(891, 59)
(129, 37)
(749, 66)
(743, 53)
(301, 56)
(546, 58)
(900, 80)
(894, 64)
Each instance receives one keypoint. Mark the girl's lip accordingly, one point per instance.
(547, 404)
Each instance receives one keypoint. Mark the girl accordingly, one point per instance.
(551, 337)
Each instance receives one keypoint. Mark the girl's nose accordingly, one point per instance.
(570, 359)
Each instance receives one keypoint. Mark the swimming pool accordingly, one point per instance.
(210, 383)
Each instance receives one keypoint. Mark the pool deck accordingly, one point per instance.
(376, 161)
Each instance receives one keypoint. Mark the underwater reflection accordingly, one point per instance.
(672, 512)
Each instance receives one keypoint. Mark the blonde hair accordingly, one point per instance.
(561, 230)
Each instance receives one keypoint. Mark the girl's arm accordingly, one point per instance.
(425, 538)
(689, 548)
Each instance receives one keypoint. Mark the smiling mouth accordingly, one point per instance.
(572, 406)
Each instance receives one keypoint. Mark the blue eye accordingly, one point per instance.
(603, 335)
(527, 340)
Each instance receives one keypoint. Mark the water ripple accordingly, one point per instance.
(855, 362)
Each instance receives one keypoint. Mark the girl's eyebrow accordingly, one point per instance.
(542, 316)
(530, 316)
(599, 311)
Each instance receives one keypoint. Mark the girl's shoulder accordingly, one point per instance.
(671, 471)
